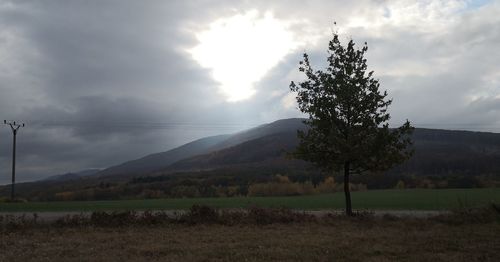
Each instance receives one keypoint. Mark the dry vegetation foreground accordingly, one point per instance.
(382, 239)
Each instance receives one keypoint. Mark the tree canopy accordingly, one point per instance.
(348, 116)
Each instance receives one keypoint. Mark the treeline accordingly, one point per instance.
(227, 183)
(277, 185)
(401, 181)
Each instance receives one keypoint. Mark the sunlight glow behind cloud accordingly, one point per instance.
(241, 49)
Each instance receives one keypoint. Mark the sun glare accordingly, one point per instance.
(241, 49)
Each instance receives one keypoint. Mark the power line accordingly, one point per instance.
(129, 125)
(137, 125)
(124, 125)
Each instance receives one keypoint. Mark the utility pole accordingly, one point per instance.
(15, 127)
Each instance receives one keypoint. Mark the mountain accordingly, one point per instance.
(73, 175)
(279, 126)
(269, 151)
(160, 161)
(447, 152)
(437, 152)
(157, 161)
(261, 152)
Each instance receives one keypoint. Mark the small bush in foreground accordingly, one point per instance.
(114, 219)
(18, 222)
(488, 214)
(264, 216)
(199, 214)
(254, 215)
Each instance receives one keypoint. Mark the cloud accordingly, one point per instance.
(102, 82)
(240, 50)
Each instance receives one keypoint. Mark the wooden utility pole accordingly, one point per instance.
(15, 127)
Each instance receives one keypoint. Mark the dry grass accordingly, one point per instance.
(331, 240)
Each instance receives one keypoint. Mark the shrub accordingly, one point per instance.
(199, 214)
(327, 186)
(487, 214)
(73, 220)
(400, 185)
(254, 215)
(280, 189)
(13, 222)
(265, 216)
(185, 191)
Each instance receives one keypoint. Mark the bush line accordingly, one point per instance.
(201, 214)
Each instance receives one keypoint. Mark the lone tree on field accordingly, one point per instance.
(348, 118)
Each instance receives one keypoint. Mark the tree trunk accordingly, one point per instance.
(348, 208)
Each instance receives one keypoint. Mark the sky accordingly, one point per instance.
(102, 82)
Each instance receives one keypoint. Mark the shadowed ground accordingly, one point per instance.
(353, 240)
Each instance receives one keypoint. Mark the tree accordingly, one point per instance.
(348, 119)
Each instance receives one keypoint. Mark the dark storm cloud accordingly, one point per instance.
(97, 81)
(102, 48)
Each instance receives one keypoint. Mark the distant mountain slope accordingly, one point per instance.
(448, 152)
(437, 152)
(202, 146)
(279, 126)
(266, 151)
(73, 175)
(158, 161)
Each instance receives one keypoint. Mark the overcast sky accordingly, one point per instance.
(102, 82)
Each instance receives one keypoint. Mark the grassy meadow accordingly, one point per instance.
(409, 199)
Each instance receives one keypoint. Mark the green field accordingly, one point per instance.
(410, 199)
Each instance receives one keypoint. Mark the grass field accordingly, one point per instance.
(410, 199)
